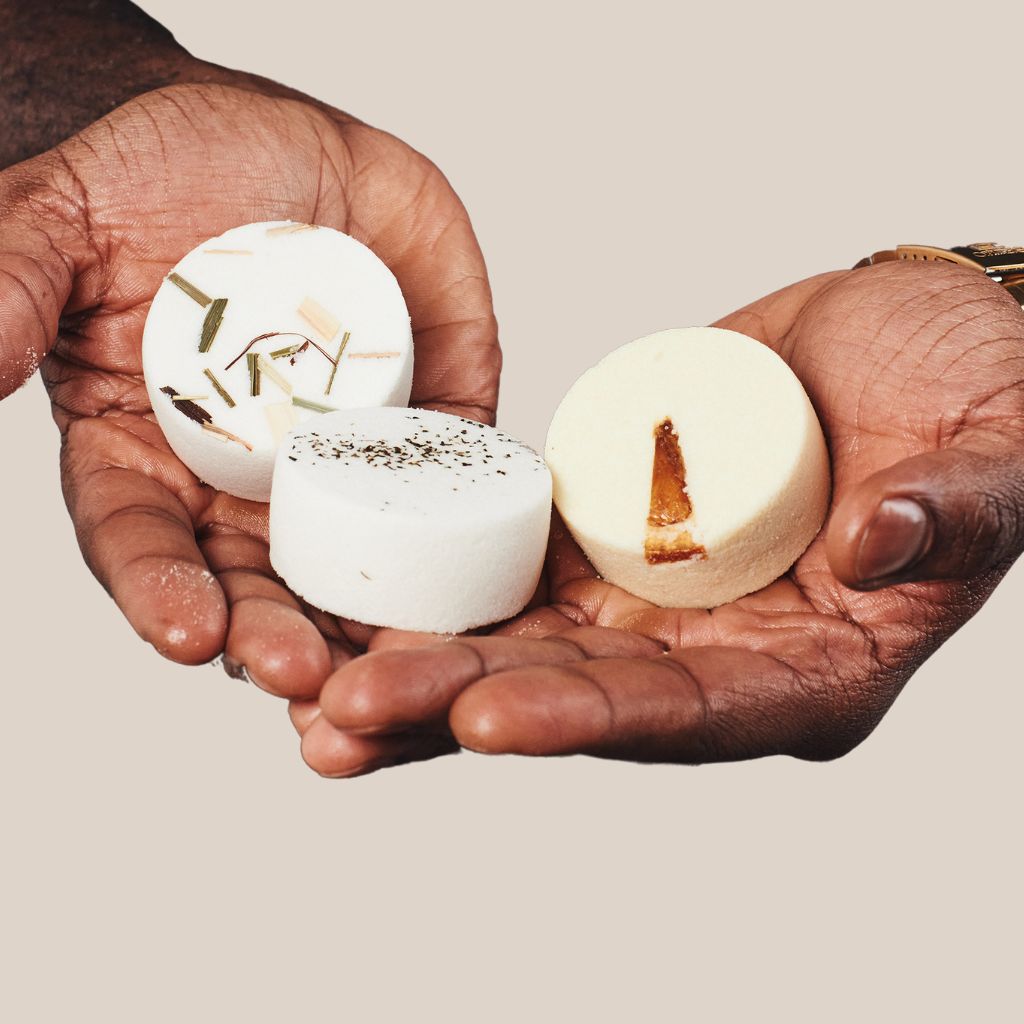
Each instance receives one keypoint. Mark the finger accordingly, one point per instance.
(692, 706)
(335, 754)
(42, 252)
(402, 639)
(416, 223)
(541, 622)
(396, 690)
(770, 318)
(303, 713)
(565, 560)
(943, 515)
(283, 652)
(133, 511)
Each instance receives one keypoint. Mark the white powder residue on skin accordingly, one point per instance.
(17, 372)
(185, 589)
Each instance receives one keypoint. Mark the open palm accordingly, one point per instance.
(917, 373)
(89, 230)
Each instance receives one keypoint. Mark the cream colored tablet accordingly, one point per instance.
(690, 467)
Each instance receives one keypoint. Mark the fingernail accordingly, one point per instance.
(896, 539)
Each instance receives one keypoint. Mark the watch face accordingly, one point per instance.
(996, 259)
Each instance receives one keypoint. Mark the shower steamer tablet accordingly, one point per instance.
(261, 329)
(690, 467)
(411, 519)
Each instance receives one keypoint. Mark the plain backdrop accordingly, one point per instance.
(167, 857)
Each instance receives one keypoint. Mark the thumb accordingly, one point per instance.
(38, 254)
(945, 515)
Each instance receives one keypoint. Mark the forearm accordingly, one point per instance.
(64, 64)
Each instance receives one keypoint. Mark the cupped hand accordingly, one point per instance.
(917, 374)
(88, 231)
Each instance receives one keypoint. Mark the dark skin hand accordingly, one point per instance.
(917, 373)
(807, 666)
(87, 232)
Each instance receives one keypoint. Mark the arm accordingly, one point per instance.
(64, 65)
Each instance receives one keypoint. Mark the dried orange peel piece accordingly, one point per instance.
(667, 539)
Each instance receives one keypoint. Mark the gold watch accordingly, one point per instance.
(1003, 264)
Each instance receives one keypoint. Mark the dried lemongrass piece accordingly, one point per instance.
(194, 293)
(227, 435)
(291, 229)
(267, 369)
(337, 362)
(253, 362)
(190, 398)
(374, 355)
(211, 325)
(220, 389)
(305, 403)
(281, 418)
(228, 252)
(325, 323)
(288, 350)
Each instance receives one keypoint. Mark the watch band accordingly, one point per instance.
(1003, 264)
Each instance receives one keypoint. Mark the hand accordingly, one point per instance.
(89, 230)
(917, 373)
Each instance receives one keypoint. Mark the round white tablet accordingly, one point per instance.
(260, 330)
(410, 519)
(690, 467)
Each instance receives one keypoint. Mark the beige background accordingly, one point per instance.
(165, 855)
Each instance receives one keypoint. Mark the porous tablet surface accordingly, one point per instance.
(278, 301)
(409, 518)
(690, 467)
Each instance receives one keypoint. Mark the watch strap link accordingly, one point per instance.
(1003, 264)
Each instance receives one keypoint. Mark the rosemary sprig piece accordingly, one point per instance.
(220, 389)
(194, 293)
(211, 325)
(337, 363)
(305, 403)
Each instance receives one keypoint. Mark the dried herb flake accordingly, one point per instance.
(194, 412)
(194, 293)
